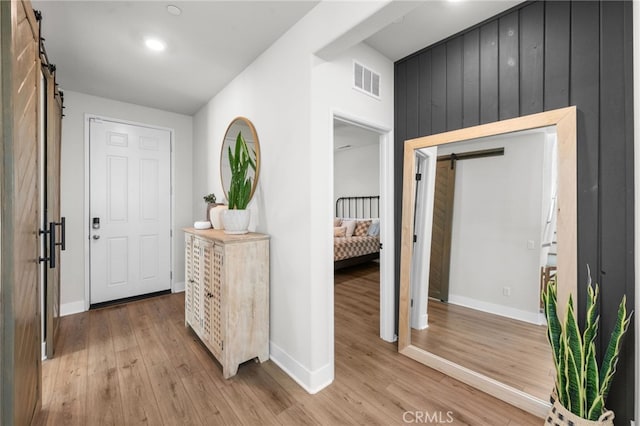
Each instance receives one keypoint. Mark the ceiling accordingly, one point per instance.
(349, 136)
(98, 46)
(432, 21)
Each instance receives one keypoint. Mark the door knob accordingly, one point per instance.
(96, 237)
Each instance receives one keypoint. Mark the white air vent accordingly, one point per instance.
(366, 80)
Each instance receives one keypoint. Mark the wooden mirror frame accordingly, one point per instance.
(564, 121)
(223, 158)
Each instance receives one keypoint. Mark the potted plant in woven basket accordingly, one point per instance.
(236, 218)
(582, 386)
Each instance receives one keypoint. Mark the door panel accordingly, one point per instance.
(441, 230)
(52, 157)
(130, 204)
(21, 337)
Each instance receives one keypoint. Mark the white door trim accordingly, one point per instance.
(387, 290)
(87, 186)
(427, 157)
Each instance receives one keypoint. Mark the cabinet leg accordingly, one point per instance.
(230, 371)
(263, 356)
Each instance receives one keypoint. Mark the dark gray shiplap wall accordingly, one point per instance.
(537, 57)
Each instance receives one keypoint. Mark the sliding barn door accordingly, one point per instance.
(53, 222)
(21, 337)
(441, 230)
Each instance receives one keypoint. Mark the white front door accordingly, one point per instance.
(129, 211)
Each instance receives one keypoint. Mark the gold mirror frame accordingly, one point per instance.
(564, 121)
(230, 135)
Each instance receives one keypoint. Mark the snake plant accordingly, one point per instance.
(240, 187)
(581, 385)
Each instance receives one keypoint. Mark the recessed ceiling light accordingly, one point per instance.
(174, 10)
(155, 44)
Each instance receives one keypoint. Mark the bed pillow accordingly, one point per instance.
(350, 225)
(339, 231)
(362, 226)
(337, 222)
(374, 229)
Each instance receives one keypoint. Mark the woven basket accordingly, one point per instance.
(559, 416)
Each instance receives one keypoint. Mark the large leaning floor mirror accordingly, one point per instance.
(489, 216)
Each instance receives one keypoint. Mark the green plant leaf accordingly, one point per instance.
(554, 335)
(596, 409)
(240, 186)
(563, 389)
(590, 366)
(574, 362)
(238, 146)
(592, 385)
(610, 360)
(591, 326)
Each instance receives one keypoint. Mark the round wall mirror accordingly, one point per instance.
(240, 126)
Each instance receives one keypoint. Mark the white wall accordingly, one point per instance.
(356, 170)
(290, 95)
(73, 185)
(497, 213)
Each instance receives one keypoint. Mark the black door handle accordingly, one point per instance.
(63, 233)
(52, 245)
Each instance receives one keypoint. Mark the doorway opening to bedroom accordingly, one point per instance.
(357, 222)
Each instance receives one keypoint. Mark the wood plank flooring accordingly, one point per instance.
(513, 352)
(138, 364)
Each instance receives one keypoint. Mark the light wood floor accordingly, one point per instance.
(513, 352)
(138, 364)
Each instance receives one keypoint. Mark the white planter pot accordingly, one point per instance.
(236, 221)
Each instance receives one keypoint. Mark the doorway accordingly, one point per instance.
(382, 141)
(129, 217)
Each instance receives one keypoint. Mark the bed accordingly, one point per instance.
(356, 231)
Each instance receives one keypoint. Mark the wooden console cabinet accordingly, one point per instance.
(227, 294)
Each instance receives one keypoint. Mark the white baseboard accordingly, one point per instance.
(493, 308)
(44, 351)
(311, 381)
(72, 308)
(178, 287)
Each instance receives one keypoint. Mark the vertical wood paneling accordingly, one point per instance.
(454, 84)
(628, 356)
(412, 90)
(531, 58)
(509, 77)
(471, 79)
(556, 54)
(584, 89)
(439, 89)
(424, 96)
(489, 72)
(616, 186)
(400, 112)
(542, 56)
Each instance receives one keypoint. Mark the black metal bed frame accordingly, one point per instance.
(358, 207)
